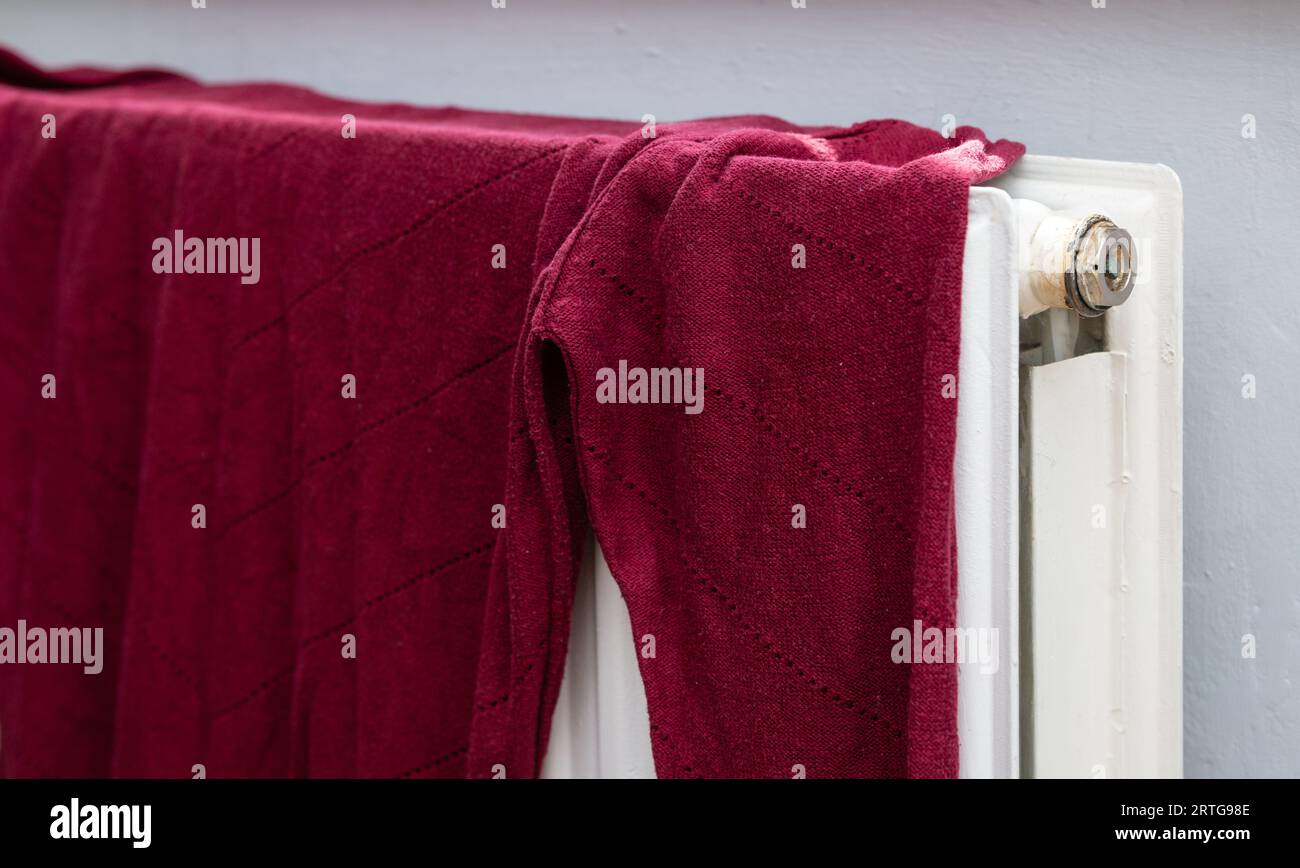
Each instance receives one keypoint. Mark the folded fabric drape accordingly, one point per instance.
(311, 404)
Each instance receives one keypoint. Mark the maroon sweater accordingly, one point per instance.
(418, 363)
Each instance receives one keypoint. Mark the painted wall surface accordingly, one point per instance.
(1140, 80)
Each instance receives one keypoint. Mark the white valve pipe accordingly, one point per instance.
(1075, 261)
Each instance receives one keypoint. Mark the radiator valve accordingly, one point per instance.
(1081, 263)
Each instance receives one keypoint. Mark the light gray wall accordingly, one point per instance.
(1141, 80)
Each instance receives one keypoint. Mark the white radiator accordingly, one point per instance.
(1068, 495)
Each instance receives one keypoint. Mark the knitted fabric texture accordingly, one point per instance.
(476, 275)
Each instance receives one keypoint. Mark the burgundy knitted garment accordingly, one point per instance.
(297, 581)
